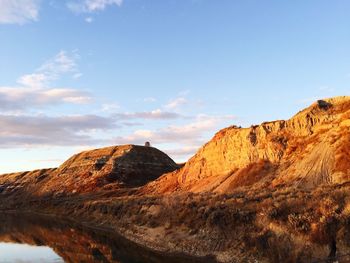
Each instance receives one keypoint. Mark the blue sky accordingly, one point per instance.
(81, 74)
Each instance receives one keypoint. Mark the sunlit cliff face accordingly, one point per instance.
(308, 150)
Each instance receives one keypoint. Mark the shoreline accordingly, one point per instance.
(108, 229)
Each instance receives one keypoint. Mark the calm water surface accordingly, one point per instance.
(10, 252)
(28, 238)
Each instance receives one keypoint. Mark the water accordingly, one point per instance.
(10, 252)
(28, 238)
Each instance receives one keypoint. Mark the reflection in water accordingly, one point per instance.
(10, 253)
(74, 243)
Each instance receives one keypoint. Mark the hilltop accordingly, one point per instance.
(107, 168)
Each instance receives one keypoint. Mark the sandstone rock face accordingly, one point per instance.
(111, 167)
(311, 148)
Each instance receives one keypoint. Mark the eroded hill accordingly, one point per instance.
(113, 167)
(310, 149)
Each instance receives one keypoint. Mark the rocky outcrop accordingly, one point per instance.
(126, 166)
(107, 168)
(307, 150)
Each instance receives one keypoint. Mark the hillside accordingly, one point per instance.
(274, 192)
(108, 168)
(310, 149)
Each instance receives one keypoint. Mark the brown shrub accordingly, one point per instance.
(277, 248)
(324, 231)
(300, 222)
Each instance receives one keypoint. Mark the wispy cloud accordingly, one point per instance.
(90, 6)
(62, 63)
(19, 11)
(89, 20)
(34, 90)
(149, 115)
(176, 103)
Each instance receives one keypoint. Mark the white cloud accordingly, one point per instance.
(18, 11)
(35, 80)
(35, 90)
(175, 103)
(63, 62)
(89, 6)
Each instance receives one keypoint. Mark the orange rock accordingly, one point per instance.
(305, 151)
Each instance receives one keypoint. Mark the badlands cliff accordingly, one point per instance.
(310, 149)
(274, 192)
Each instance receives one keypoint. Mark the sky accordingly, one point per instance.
(83, 74)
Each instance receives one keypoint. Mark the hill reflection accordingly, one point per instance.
(77, 243)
